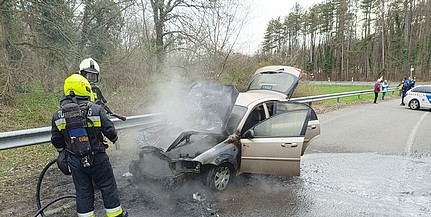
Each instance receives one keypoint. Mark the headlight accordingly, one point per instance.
(187, 166)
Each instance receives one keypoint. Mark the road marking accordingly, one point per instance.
(412, 135)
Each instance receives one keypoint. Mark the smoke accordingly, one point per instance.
(187, 103)
(197, 105)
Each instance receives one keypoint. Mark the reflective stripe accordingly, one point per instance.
(88, 214)
(95, 121)
(61, 124)
(114, 211)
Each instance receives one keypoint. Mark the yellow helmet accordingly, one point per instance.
(78, 85)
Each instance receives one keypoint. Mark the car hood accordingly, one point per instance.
(204, 109)
(208, 106)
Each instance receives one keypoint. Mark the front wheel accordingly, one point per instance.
(414, 104)
(218, 177)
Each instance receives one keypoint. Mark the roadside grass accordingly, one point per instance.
(346, 101)
(20, 167)
(29, 110)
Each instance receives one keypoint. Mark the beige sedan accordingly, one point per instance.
(259, 131)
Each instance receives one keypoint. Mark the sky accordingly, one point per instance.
(262, 11)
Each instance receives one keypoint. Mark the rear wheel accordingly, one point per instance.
(414, 104)
(218, 177)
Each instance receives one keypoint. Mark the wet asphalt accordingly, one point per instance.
(370, 160)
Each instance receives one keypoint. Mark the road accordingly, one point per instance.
(370, 160)
(383, 127)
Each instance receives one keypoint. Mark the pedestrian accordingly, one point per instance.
(406, 87)
(377, 86)
(90, 69)
(412, 82)
(385, 87)
(77, 130)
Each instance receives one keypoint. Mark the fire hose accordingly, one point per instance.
(110, 112)
(39, 184)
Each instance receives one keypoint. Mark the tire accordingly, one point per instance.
(414, 104)
(218, 177)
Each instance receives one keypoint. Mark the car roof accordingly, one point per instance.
(420, 86)
(423, 85)
(256, 96)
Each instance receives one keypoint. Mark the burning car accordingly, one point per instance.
(224, 133)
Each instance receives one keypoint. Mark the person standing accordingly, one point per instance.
(385, 87)
(377, 86)
(90, 69)
(77, 131)
(412, 82)
(406, 87)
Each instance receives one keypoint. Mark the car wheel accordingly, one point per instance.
(218, 177)
(414, 104)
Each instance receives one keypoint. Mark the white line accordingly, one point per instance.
(412, 135)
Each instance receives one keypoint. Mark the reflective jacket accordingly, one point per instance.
(100, 126)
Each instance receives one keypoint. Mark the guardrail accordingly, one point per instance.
(310, 99)
(21, 138)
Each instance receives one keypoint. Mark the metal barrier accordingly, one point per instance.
(310, 99)
(21, 138)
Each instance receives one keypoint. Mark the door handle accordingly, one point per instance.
(312, 126)
(289, 145)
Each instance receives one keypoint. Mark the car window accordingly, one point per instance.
(418, 89)
(272, 81)
(255, 116)
(235, 118)
(289, 124)
(282, 107)
(427, 89)
(270, 106)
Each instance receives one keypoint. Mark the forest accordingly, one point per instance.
(365, 39)
(141, 42)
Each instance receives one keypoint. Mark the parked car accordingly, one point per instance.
(257, 131)
(418, 97)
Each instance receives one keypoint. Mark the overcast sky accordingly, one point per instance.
(262, 11)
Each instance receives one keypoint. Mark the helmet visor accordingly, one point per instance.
(91, 77)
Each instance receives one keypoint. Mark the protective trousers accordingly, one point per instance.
(100, 172)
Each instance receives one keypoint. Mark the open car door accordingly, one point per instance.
(274, 146)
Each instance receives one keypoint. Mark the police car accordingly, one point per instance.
(419, 97)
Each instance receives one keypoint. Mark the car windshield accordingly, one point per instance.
(235, 118)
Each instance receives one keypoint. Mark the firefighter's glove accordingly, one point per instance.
(62, 163)
(233, 138)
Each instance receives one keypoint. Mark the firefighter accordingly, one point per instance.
(77, 133)
(90, 69)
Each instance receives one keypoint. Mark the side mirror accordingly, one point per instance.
(249, 134)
